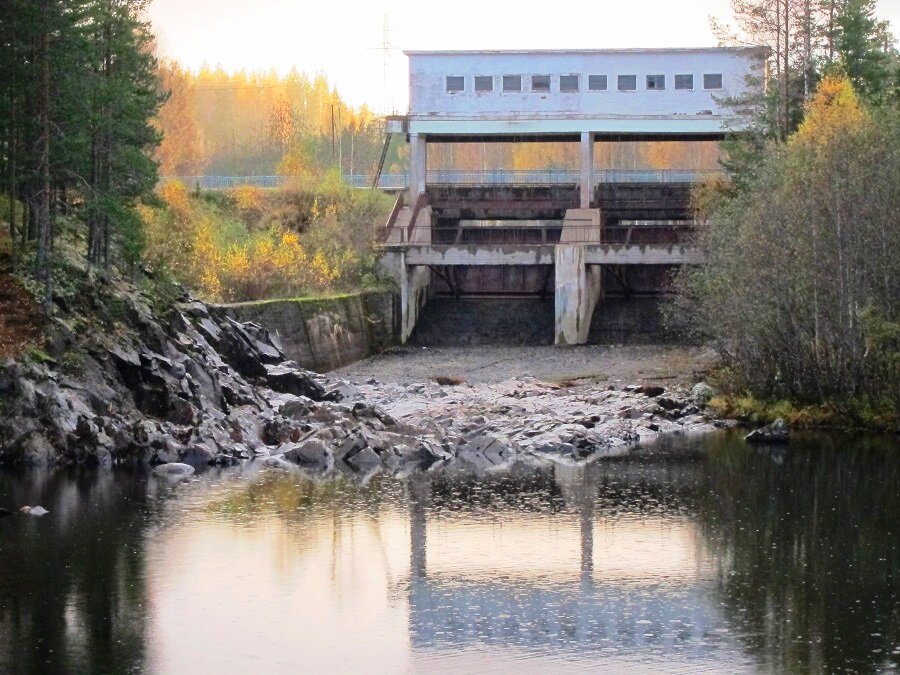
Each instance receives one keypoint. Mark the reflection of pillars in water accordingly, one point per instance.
(586, 512)
(419, 493)
(579, 490)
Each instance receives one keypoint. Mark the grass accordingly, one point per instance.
(829, 415)
(311, 298)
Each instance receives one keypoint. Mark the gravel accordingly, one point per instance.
(588, 364)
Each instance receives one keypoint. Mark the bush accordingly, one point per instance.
(252, 244)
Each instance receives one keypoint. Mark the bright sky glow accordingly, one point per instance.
(345, 40)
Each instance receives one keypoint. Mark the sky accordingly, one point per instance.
(345, 39)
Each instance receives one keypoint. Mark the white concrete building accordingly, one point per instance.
(630, 91)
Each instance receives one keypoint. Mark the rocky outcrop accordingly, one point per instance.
(198, 387)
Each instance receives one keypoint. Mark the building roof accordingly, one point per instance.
(547, 52)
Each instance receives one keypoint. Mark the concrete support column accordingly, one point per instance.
(414, 283)
(418, 161)
(587, 169)
(577, 291)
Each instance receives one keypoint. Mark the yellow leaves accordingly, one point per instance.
(323, 273)
(175, 195)
(834, 109)
(213, 248)
(247, 197)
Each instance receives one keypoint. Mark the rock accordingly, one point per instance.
(297, 408)
(35, 450)
(280, 463)
(702, 392)
(364, 459)
(174, 470)
(352, 445)
(311, 453)
(776, 432)
(667, 403)
(293, 381)
(363, 410)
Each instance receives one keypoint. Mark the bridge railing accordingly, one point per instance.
(577, 231)
(400, 181)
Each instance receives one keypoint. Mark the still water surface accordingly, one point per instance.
(692, 556)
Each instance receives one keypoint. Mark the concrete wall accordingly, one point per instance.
(530, 321)
(636, 320)
(325, 333)
(428, 72)
(485, 321)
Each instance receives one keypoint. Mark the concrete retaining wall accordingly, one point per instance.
(326, 333)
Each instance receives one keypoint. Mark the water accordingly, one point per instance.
(690, 557)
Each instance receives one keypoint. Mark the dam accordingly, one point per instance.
(612, 143)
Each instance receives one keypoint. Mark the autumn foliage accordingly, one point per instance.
(801, 282)
(250, 244)
(261, 124)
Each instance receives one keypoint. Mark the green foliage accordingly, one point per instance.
(860, 41)
(802, 282)
(39, 355)
(78, 90)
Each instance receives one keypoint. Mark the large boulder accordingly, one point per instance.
(776, 432)
(290, 380)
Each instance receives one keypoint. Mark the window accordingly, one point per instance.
(656, 82)
(568, 83)
(684, 81)
(540, 83)
(597, 82)
(484, 83)
(512, 83)
(712, 81)
(455, 83)
(627, 82)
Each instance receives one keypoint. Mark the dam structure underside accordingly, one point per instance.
(607, 224)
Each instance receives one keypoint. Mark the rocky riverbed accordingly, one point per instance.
(190, 384)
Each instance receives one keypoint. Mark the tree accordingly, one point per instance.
(80, 90)
(125, 97)
(182, 151)
(802, 280)
(863, 47)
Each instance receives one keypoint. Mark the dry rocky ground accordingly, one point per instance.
(588, 364)
(129, 380)
(488, 406)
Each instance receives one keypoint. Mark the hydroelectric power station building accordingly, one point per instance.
(639, 128)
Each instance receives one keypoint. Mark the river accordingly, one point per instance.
(688, 556)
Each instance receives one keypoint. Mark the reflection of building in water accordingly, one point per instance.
(603, 580)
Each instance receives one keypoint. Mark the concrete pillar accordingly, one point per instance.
(577, 291)
(414, 283)
(418, 161)
(587, 169)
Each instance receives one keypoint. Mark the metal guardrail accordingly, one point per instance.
(577, 232)
(400, 181)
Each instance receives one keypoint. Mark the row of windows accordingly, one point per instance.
(572, 83)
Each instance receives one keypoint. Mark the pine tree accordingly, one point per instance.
(862, 49)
